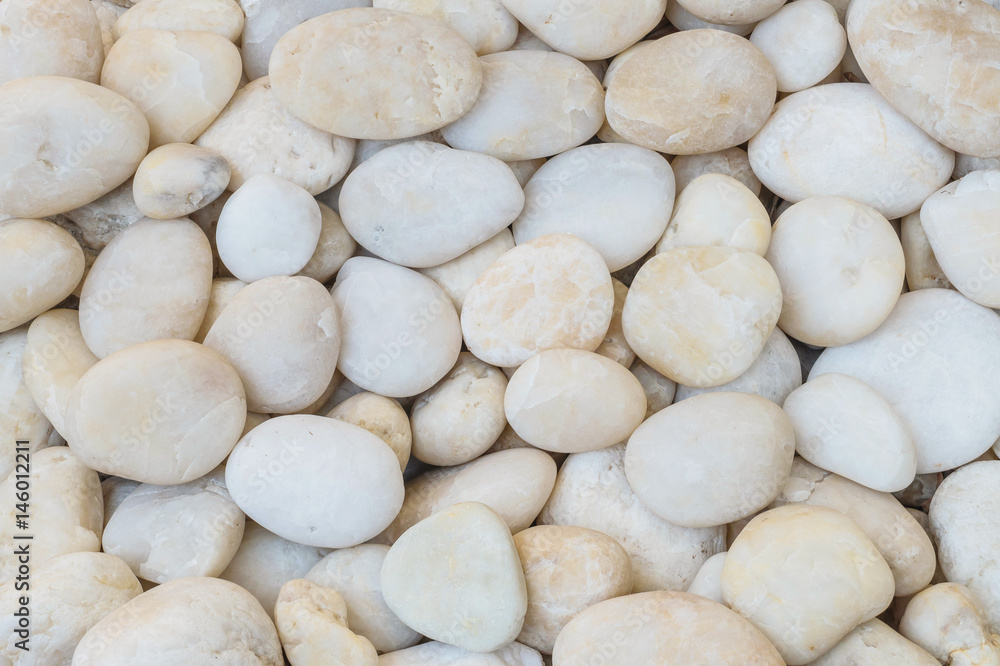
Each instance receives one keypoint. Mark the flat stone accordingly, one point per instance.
(486, 25)
(50, 38)
(732, 12)
(223, 17)
(177, 179)
(874, 642)
(312, 624)
(433, 653)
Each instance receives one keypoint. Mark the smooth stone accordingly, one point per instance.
(224, 290)
(257, 135)
(966, 164)
(380, 416)
(99, 221)
(922, 268)
(660, 391)
(964, 520)
(665, 99)
(664, 627)
(164, 412)
(569, 401)
(487, 26)
(716, 209)
(66, 511)
(843, 425)
(40, 265)
(743, 443)
(269, 227)
(567, 570)
(401, 333)
(268, 20)
(434, 653)
(533, 104)
(549, 293)
(355, 574)
(947, 621)
(888, 163)
(69, 595)
(803, 42)
(841, 269)
(55, 358)
(152, 282)
(333, 485)
(770, 578)
(264, 562)
(514, 483)
(407, 204)
(899, 538)
(732, 162)
(711, 325)
(456, 577)
(588, 32)
(592, 491)
(193, 620)
(418, 74)
(773, 375)
(617, 197)
(312, 624)
(456, 276)
(952, 101)
(75, 141)
(461, 416)
(283, 337)
(50, 38)
(180, 80)
(875, 643)
(177, 179)
(732, 12)
(960, 222)
(21, 419)
(682, 19)
(615, 346)
(708, 581)
(901, 360)
(223, 17)
(334, 248)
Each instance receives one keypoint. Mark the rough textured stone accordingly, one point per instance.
(312, 624)
(177, 179)
(947, 621)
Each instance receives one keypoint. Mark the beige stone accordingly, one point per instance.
(401, 333)
(803, 42)
(456, 276)
(418, 75)
(732, 12)
(487, 26)
(947, 621)
(615, 346)
(668, 628)
(692, 92)
(282, 335)
(66, 511)
(716, 209)
(953, 102)
(874, 642)
(592, 491)
(770, 578)
(165, 412)
(223, 17)
(682, 19)
(514, 483)
(659, 390)
(456, 577)
(257, 135)
(224, 290)
(331, 484)
(434, 653)
(108, 13)
(75, 142)
(194, 620)
(713, 322)
(841, 269)
(50, 38)
(334, 248)
(177, 179)
(551, 292)
(708, 581)
(566, 570)
(312, 624)
(533, 104)
(69, 594)
(381, 416)
(21, 419)
(922, 268)
(180, 80)
(40, 265)
(152, 282)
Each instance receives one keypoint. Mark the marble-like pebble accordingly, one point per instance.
(50, 38)
(874, 642)
(948, 622)
(434, 653)
(312, 624)
(682, 19)
(381, 416)
(660, 391)
(334, 247)
(177, 179)
(708, 581)
(223, 17)
(456, 276)
(922, 268)
(486, 25)
(99, 221)
(224, 290)
(732, 12)
(804, 42)
(615, 346)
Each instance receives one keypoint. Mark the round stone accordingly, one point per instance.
(456, 276)
(701, 315)
(486, 25)
(889, 163)
(549, 293)
(380, 416)
(732, 12)
(69, 142)
(841, 269)
(732, 162)
(316, 481)
(375, 73)
(50, 38)
(946, 620)
(742, 442)
(804, 42)
(223, 17)
(668, 100)
(177, 179)
(409, 203)
(401, 333)
(617, 197)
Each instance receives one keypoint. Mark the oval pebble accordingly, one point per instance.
(804, 42)
(177, 179)
(732, 12)
(487, 26)
(50, 38)
(223, 17)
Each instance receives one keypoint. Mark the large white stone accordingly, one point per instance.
(485, 24)
(50, 38)
(803, 41)
(223, 17)
(874, 642)
(947, 621)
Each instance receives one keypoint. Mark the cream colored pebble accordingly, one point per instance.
(223, 17)
(381, 416)
(312, 625)
(50, 38)
(177, 179)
